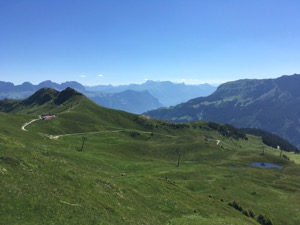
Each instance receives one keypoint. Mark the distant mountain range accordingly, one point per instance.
(166, 92)
(10, 91)
(128, 100)
(134, 98)
(269, 104)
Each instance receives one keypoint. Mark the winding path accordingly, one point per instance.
(217, 141)
(26, 124)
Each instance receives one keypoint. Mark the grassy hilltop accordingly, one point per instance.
(127, 171)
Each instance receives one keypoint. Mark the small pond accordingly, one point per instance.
(266, 165)
(232, 167)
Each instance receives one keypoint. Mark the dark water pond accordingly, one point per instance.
(266, 165)
(232, 167)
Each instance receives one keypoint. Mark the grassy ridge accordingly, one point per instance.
(127, 172)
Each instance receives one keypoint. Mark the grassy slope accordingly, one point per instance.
(51, 181)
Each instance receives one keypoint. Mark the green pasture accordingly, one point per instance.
(127, 173)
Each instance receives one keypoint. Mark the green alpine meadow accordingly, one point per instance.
(66, 160)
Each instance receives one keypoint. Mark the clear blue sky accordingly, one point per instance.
(129, 41)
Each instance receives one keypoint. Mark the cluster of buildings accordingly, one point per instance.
(48, 116)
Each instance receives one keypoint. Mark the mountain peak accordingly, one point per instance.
(43, 100)
(45, 95)
(41, 96)
(75, 85)
(65, 95)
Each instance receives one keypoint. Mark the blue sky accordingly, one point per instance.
(130, 41)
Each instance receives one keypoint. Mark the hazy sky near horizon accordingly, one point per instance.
(130, 41)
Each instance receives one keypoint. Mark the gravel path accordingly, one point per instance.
(26, 124)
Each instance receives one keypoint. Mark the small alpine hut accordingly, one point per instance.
(48, 116)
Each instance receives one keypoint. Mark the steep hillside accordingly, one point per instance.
(94, 165)
(270, 104)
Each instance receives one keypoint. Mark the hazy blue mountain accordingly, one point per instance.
(130, 101)
(269, 104)
(11, 91)
(6, 86)
(166, 92)
(26, 86)
(21, 91)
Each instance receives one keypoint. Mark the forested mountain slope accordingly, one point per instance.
(269, 104)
